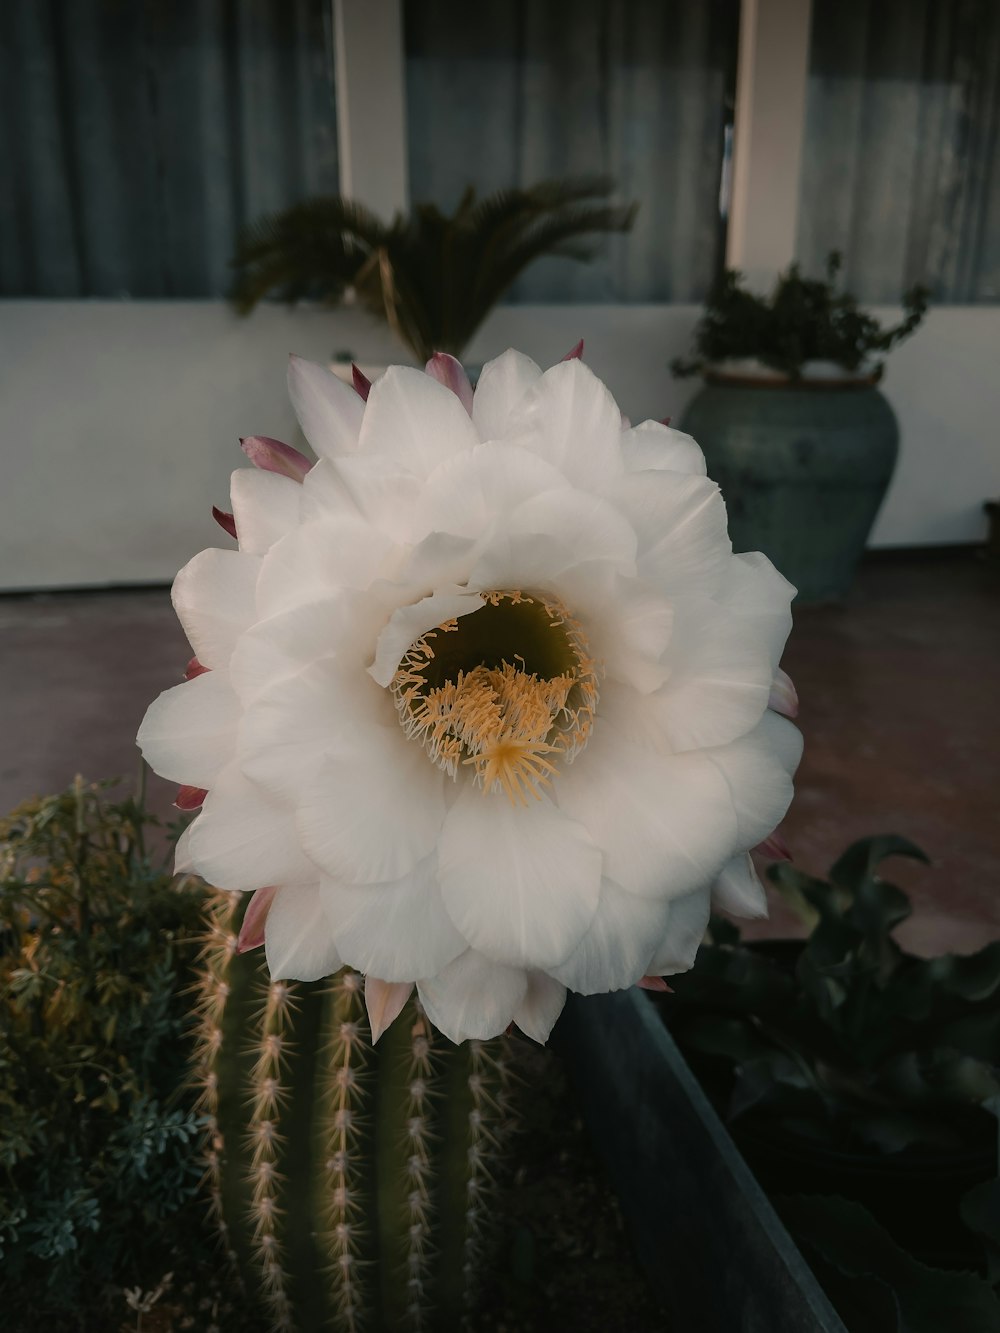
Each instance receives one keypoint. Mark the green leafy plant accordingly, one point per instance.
(98, 1131)
(849, 1040)
(803, 319)
(433, 277)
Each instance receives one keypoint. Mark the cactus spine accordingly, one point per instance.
(350, 1182)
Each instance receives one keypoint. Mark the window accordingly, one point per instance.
(511, 93)
(139, 136)
(902, 146)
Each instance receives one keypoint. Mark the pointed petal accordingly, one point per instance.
(783, 698)
(473, 998)
(758, 769)
(542, 1004)
(243, 839)
(574, 353)
(571, 420)
(409, 623)
(329, 412)
(653, 984)
(189, 731)
(194, 668)
(521, 883)
(214, 596)
(754, 590)
(375, 808)
(500, 390)
(399, 930)
(266, 507)
(225, 521)
(450, 372)
(413, 422)
(653, 445)
(738, 889)
(272, 455)
(362, 384)
(680, 521)
(297, 939)
(190, 798)
(618, 945)
(252, 930)
(686, 926)
(665, 823)
(385, 1001)
(774, 847)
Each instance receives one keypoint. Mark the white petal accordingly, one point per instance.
(409, 623)
(385, 1001)
(345, 625)
(470, 493)
(473, 998)
(754, 589)
(399, 931)
(380, 489)
(681, 524)
(570, 419)
(664, 822)
(320, 558)
(289, 729)
(686, 926)
(537, 1013)
(720, 676)
(182, 854)
(329, 412)
(616, 950)
(758, 769)
(562, 541)
(520, 882)
(653, 445)
(265, 506)
(297, 940)
(413, 423)
(189, 732)
(738, 889)
(243, 839)
(375, 808)
(214, 597)
(499, 391)
(629, 633)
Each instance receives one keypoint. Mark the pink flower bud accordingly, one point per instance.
(224, 520)
(273, 456)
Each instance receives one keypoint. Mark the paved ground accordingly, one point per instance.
(899, 694)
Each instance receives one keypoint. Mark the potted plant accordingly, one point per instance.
(432, 277)
(845, 1066)
(792, 422)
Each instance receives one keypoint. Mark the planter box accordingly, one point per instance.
(712, 1247)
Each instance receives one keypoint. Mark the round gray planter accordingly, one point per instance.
(803, 467)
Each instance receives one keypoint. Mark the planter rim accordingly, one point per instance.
(776, 379)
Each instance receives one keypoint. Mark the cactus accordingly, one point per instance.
(350, 1182)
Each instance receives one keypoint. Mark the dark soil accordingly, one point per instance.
(564, 1263)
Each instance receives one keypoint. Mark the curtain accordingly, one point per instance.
(901, 166)
(138, 136)
(510, 92)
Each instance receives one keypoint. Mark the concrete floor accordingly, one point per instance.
(899, 694)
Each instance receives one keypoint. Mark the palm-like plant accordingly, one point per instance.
(431, 276)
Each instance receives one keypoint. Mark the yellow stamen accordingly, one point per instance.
(507, 723)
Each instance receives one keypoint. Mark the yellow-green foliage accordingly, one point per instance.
(98, 1168)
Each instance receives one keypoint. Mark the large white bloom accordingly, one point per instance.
(481, 700)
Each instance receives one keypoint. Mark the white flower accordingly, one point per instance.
(485, 695)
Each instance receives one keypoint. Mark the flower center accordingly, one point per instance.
(508, 690)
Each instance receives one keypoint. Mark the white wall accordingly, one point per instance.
(120, 421)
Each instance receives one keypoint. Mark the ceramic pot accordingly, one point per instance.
(803, 466)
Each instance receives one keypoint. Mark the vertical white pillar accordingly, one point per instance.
(371, 103)
(769, 127)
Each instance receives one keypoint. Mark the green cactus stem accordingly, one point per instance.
(350, 1182)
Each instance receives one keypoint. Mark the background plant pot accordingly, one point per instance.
(803, 466)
